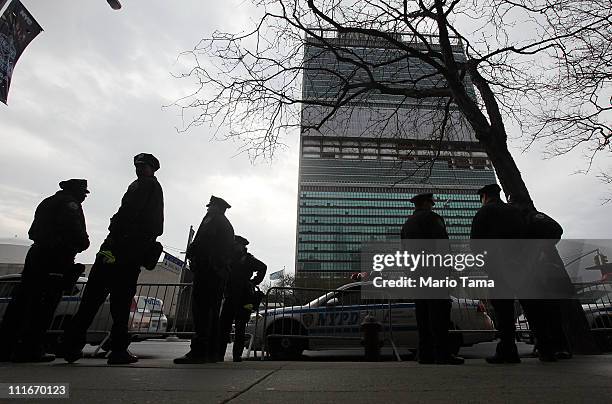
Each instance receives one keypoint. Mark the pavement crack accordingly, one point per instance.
(249, 387)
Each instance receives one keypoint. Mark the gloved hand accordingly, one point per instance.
(107, 256)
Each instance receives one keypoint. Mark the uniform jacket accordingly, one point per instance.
(421, 233)
(59, 223)
(498, 220)
(213, 241)
(242, 270)
(506, 261)
(141, 214)
(424, 224)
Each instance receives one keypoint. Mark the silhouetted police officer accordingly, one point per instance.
(209, 256)
(499, 220)
(131, 239)
(432, 315)
(239, 297)
(59, 233)
(548, 271)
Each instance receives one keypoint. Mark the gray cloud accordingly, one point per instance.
(87, 95)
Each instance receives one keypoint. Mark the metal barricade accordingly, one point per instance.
(596, 301)
(156, 311)
(293, 319)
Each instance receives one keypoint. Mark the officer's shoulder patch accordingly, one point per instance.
(73, 205)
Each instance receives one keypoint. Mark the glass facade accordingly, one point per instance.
(355, 181)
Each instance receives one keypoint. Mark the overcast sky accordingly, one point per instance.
(87, 95)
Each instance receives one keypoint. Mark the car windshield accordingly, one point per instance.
(606, 299)
(322, 299)
(343, 297)
(595, 296)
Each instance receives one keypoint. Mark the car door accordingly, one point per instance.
(335, 323)
(402, 319)
(7, 287)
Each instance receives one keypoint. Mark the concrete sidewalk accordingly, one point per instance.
(582, 379)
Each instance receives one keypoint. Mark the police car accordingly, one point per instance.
(147, 317)
(66, 309)
(596, 302)
(332, 321)
(146, 314)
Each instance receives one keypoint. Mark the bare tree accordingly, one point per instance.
(282, 291)
(285, 281)
(541, 64)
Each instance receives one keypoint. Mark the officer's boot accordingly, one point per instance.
(5, 351)
(24, 353)
(505, 352)
(71, 350)
(546, 354)
(237, 353)
(190, 358)
(221, 352)
(121, 358)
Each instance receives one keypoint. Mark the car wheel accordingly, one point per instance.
(286, 347)
(53, 340)
(53, 344)
(603, 338)
(106, 346)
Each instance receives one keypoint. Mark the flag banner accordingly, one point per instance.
(17, 29)
(277, 275)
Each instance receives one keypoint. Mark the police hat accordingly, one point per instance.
(422, 197)
(241, 240)
(148, 159)
(74, 184)
(214, 201)
(489, 190)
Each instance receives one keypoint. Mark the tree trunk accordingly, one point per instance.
(506, 169)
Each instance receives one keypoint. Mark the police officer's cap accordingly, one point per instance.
(241, 240)
(148, 159)
(74, 184)
(215, 201)
(490, 189)
(422, 197)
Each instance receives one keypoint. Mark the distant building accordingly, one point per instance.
(359, 169)
(12, 255)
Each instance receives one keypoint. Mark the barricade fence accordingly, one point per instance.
(596, 301)
(295, 319)
(290, 319)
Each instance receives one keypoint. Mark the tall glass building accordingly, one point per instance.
(360, 166)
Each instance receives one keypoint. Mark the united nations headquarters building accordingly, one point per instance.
(360, 165)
